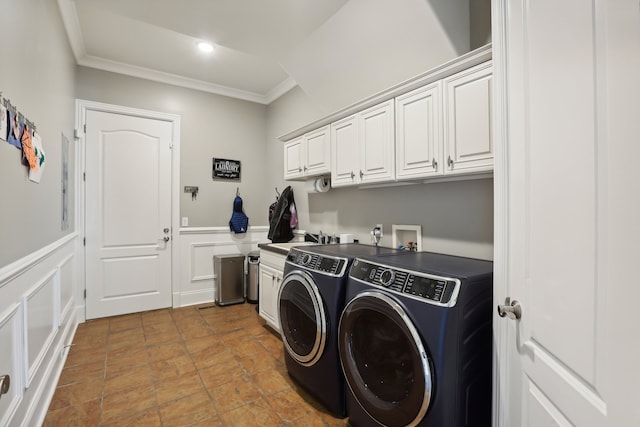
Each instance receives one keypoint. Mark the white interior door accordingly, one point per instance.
(560, 211)
(127, 213)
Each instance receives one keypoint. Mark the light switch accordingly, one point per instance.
(185, 221)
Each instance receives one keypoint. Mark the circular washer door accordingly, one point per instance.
(302, 318)
(384, 361)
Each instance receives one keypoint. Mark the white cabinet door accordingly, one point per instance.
(377, 143)
(345, 152)
(468, 140)
(294, 158)
(318, 152)
(419, 133)
(270, 280)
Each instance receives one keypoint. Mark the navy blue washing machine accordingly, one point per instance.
(415, 339)
(310, 302)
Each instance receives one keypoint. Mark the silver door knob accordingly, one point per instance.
(450, 162)
(166, 230)
(166, 239)
(510, 309)
(5, 382)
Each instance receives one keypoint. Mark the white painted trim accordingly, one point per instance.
(31, 370)
(82, 106)
(74, 34)
(13, 312)
(219, 230)
(500, 407)
(197, 297)
(42, 399)
(61, 311)
(17, 268)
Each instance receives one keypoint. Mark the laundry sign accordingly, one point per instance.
(226, 169)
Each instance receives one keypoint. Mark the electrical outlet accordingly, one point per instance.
(189, 189)
(185, 221)
(379, 226)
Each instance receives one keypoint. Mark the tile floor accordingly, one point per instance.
(200, 366)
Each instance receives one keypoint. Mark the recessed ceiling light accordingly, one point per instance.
(205, 47)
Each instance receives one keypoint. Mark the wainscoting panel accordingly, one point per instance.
(11, 360)
(40, 327)
(198, 246)
(37, 322)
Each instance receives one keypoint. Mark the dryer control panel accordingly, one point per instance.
(334, 266)
(424, 286)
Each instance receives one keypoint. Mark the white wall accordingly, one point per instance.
(370, 45)
(36, 74)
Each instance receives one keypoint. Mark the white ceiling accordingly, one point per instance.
(156, 39)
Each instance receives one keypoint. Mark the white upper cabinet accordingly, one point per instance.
(308, 155)
(437, 125)
(345, 152)
(377, 144)
(362, 147)
(419, 133)
(294, 158)
(468, 141)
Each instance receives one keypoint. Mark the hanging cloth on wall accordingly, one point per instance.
(239, 222)
(280, 225)
(272, 206)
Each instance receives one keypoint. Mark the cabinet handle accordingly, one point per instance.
(5, 382)
(361, 174)
(299, 169)
(434, 163)
(450, 162)
(352, 175)
(305, 168)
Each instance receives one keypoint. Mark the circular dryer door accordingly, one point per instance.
(302, 318)
(384, 361)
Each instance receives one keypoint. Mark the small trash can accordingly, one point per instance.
(253, 275)
(229, 271)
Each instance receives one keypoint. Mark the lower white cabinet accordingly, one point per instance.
(271, 267)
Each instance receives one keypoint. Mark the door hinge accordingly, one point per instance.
(84, 241)
(76, 132)
(84, 176)
(85, 294)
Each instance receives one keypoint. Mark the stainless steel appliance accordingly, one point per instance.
(229, 272)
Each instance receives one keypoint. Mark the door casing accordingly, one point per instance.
(82, 106)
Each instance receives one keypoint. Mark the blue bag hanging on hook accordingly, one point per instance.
(239, 222)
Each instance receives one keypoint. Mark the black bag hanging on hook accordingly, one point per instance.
(280, 227)
(239, 222)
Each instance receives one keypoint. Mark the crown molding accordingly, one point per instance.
(74, 34)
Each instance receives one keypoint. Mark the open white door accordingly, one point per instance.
(561, 246)
(127, 213)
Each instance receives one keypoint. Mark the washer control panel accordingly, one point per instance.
(334, 266)
(423, 286)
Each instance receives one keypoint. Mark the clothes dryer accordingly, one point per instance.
(415, 341)
(310, 302)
